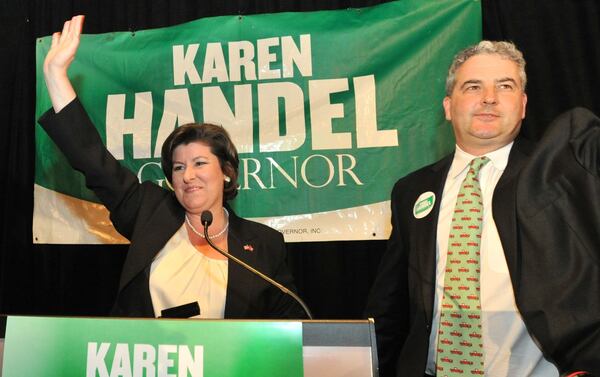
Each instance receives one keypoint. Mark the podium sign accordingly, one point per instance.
(62, 347)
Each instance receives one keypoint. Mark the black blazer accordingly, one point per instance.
(148, 216)
(566, 324)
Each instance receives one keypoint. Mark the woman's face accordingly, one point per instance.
(197, 178)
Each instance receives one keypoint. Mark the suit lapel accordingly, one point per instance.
(504, 207)
(239, 280)
(157, 231)
(426, 233)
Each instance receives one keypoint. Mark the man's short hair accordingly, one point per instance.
(506, 50)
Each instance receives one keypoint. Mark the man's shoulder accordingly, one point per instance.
(426, 173)
(426, 182)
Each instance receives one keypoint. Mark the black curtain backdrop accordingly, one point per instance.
(560, 40)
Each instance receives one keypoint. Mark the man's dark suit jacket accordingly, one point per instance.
(148, 216)
(546, 207)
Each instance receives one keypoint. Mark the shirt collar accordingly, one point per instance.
(498, 159)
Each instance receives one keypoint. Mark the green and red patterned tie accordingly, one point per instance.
(460, 342)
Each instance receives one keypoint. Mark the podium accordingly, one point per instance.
(79, 346)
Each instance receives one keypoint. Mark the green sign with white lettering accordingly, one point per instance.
(327, 109)
(63, 347)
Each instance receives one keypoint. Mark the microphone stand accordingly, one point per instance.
(206, 219)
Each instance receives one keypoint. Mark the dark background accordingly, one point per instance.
(560, 40)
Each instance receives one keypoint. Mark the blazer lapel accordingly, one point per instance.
(504, 207)
(426, 234)
(239, 280)
(157, 231)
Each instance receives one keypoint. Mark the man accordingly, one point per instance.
(488, 311)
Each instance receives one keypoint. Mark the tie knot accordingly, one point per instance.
(476, 165)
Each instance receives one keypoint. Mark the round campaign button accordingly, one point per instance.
(424, 204)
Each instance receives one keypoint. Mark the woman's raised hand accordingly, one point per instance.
(59, 57)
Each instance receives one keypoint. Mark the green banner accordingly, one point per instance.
(63, 347)
(327, 109)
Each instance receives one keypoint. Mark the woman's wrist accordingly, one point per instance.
(60, 89)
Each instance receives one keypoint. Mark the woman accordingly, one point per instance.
(169, 263)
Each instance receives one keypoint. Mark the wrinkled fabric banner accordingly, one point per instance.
(327, 109)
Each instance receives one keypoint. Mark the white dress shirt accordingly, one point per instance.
(509, 350)
(180, 274)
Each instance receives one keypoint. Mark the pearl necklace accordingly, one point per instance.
(187, 220)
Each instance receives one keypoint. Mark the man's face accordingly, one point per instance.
(487, 104)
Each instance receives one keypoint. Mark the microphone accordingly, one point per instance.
(206, 218)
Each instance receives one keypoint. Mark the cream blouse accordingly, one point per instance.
(180, 274)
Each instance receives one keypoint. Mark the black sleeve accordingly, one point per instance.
(117, 187)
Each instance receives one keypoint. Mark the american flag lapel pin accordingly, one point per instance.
(248, 247)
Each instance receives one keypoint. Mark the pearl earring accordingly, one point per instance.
(227, 179)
